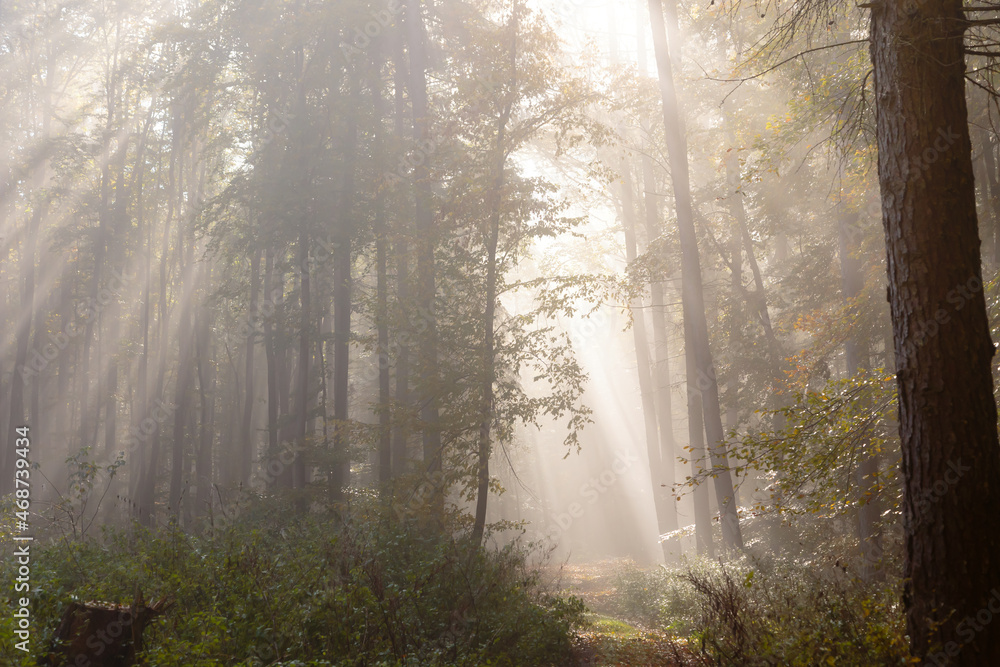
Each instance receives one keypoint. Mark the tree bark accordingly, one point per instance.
(206, 421)
(943, 350)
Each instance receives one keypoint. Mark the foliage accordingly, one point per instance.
(273, 592)
(777, 612)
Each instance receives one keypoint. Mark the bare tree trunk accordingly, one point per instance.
(701, 374)
(401, 432)
(206, 423)
(305, 323)
(147, 493)
(247, 449)
(385, 464)
(342, 287)
(992, 191)
(185, 334)
(644, 366)
(272, 363)
(661, 361)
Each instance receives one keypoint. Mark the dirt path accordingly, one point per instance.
(610, 639)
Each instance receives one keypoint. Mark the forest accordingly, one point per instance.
(499, 332)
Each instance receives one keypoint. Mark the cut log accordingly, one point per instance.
(102, 634)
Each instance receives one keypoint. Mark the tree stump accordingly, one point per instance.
(102, 634)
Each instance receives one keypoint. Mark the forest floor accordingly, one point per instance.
(611, 639)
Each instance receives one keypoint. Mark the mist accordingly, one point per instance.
(548, 332)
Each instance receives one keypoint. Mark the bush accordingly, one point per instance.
(303, 594)
(755, 613)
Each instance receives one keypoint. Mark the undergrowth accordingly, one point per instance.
(280, 592)
(779, 612)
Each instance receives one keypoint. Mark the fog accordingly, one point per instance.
(562, 276)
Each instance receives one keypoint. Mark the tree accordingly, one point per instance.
(947, 413)
(701, 370)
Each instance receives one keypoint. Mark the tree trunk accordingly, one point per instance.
(271, 355)
(947, 415)
(701, 374)
(426, 280)
(301, 419)
(644, 367)
(704, 542)
(385, 464)
(185, 334)
(661, 361)
(992, 192)
(247, 450)
(206, 430)
(489, 316)
(342, 286)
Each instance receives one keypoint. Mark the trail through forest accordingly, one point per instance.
(609, 638)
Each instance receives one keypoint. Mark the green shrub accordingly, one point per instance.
(785, 613)
(369, 593)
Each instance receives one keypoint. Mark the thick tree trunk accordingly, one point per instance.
(701, 373)
(947, 415)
